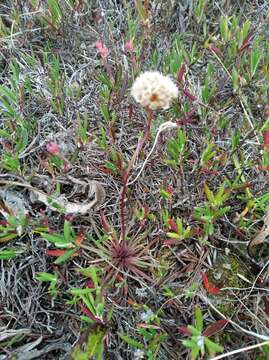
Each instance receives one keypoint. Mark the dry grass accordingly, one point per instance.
(34, 324)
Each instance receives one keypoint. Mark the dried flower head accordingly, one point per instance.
(154, 90)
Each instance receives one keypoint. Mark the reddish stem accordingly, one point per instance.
(123, 196)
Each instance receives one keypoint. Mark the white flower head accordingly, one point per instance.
(154, 90)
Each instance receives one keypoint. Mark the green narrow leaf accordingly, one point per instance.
(95, 346)
(173, 235)
(56, 239)
(61, 259)
(15, 70)
(47, 277)
(198, 319)
(7, 254)
(213, 347)
(67, 230)
(131, 341)
(209, 195)
(193, 330)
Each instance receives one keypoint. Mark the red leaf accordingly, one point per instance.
(173, 225)
(89, 284)
(205, 280)
(266, 139)
(246, 42)
(189, 95)
(210, 287)
(55, 252)
(181, 72)
(216, 51)
(146, 210)
(130, 111)
(213, 289)
(119, 278)
(213, 328)
(170, 190)
(170, 242)
(104, 222)
(80, 238)
(184, 330)
(90, 314)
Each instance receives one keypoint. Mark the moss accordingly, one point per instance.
(226, 270)
(226, 309)
(225, 274)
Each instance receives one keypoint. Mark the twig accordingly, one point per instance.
(240, 350)
(164, 126)
(251, 333)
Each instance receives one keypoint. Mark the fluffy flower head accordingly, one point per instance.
(154, 90)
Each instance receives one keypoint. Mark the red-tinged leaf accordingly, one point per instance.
(3, 222)
(189, 95)
(131, 302)
(66, 256)
(173, 225)
(181, 73)
(198, 232)
(55, 252)
(266, 139)
(217, 51)
(170, 242)
(184, 330)
(146, 210)
(205, 280)
(170, 190)
(105, 170)
(246, 42)
(263, 168)
(119, 278)
(213, 328)
(89, 284)
(104, 222)
(208, 286)
(130, 111)
(213, 290)
(138, 272)
(90, 314)
(80, 238)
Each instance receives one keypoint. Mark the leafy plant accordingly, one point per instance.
(213, 209)
(67, 244)
(94, 347)
(56, 85)
(91, 298)
(151, 333)
(177, 231)
(50, 278)
(12, 227)
(199, 343)
(176, 149)
(128, 255)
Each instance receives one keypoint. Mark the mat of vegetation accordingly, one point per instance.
(134, 162)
